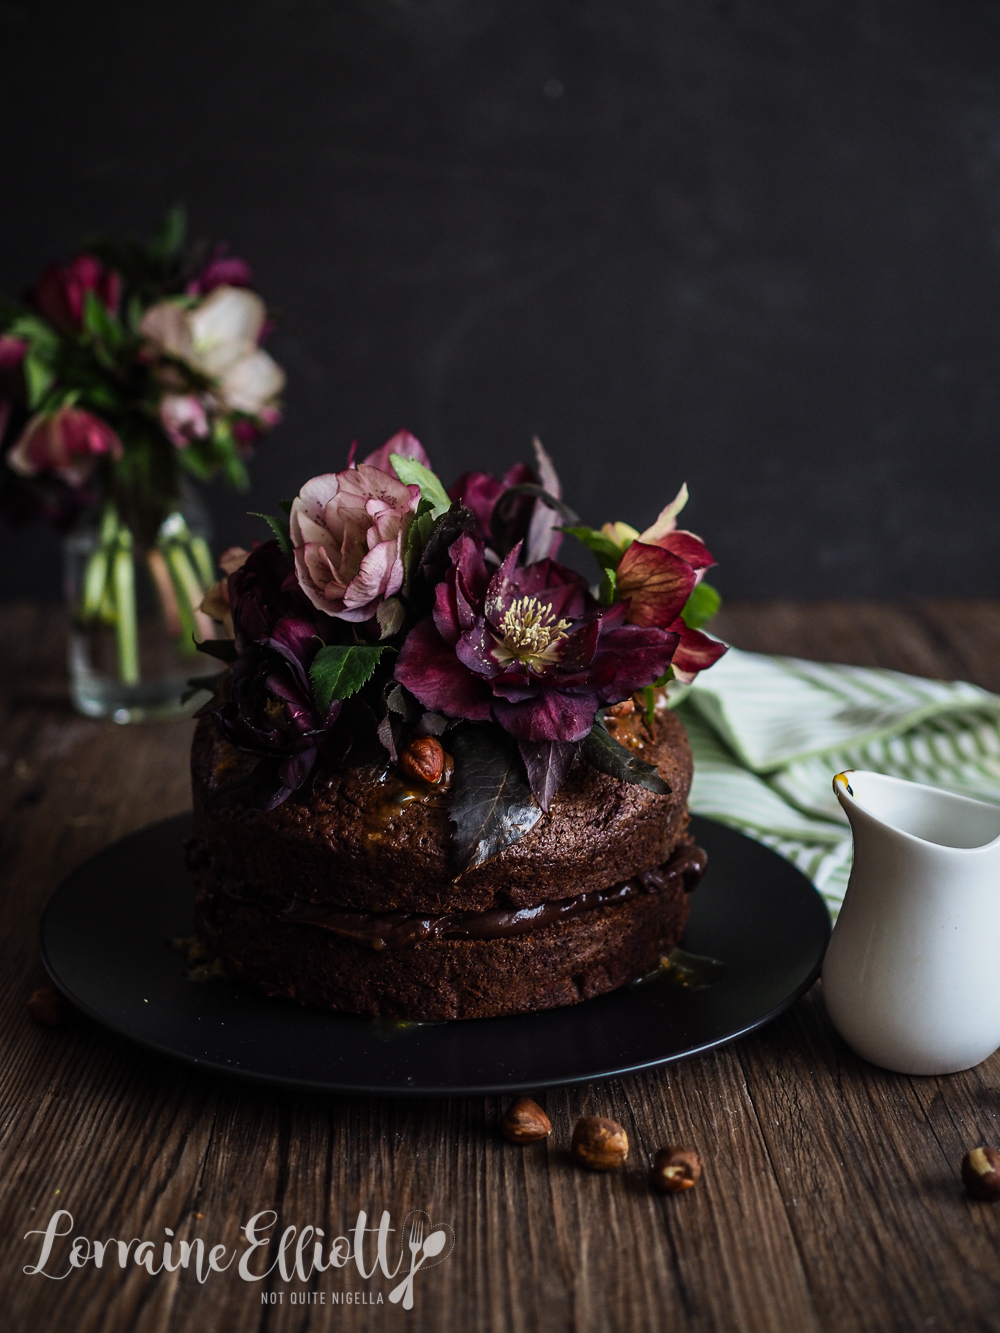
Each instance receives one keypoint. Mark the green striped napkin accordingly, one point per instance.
(769, 733)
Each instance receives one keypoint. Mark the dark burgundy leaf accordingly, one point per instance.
(603, 752)
(490, 803)
(548, 764)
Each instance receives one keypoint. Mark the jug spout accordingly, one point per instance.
(909, 979)
(926, 813)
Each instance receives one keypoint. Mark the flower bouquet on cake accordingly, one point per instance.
(128, 374)
(430, 732)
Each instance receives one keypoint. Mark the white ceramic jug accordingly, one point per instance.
(911, 979)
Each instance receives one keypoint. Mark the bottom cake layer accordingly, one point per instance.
(547, 967)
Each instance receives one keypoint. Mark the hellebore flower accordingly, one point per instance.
(523, 518)
(402, 443)
(657, 574)
(654, 583)
(262, 589)
(348, 530)
(529, 648)
(221, 270)
(67, 443)
(271, 711)
(61, 291)
(218, 339)
(183, 418)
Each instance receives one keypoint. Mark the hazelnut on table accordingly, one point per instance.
(675, 1169)
(599, 1144)
(525, 1122)
(981, 1173)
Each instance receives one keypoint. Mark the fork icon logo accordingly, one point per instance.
(428, 1243)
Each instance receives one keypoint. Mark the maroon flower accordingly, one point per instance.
(66, 444)
(272, 711)
(529, 648)
(12, 353)
(654, 583)
(263, 590)
(221, 270)
(61, 291)
(522, 517)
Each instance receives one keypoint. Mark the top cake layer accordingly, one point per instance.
(373, 841)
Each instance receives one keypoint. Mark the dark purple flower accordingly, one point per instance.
(529, 648)
(221, 270)
(522, 517)
(272, 710)
(264, 591)
(61, 291)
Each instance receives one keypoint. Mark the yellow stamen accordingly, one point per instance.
(530, 631)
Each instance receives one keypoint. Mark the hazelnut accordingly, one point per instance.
(47, 1006)
(423, 759)
(601, 1145)
(624, 709)
(981, 1173)
(525, 1122)
(675, 1169)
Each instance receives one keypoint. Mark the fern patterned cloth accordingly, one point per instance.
(769, 733)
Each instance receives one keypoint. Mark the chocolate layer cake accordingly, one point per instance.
(344, 897)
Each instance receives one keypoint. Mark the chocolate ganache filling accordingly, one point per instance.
(396, 930)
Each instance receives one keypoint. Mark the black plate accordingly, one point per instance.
(105, 941)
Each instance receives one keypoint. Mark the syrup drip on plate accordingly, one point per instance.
(686, 971)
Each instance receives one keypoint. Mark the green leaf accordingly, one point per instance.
(412, 473)
(39, 378)
(99, 322)
(193, 460)
(608, 552)
(701, 606)
(340, 670)
(603, 752)
(169, 235)
(36, 331)
(416, 539)
(490, 802)
(279, 526)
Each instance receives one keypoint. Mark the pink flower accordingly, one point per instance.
(66, 444)
(61, 290)
(222, 270)
(218, 339)
(349, 533)
(402, 443)
(183, 419)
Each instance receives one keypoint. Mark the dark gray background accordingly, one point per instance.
(755, 246)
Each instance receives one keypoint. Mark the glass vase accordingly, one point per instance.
(134, 614)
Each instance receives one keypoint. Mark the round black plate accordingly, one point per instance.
(105, 941)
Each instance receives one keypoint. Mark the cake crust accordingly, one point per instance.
(556, 965)
(368, 842)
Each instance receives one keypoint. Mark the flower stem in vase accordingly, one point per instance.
(184, 563)
(165, 592)
(123, 591)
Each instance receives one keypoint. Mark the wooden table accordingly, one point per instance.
(830, 1199)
